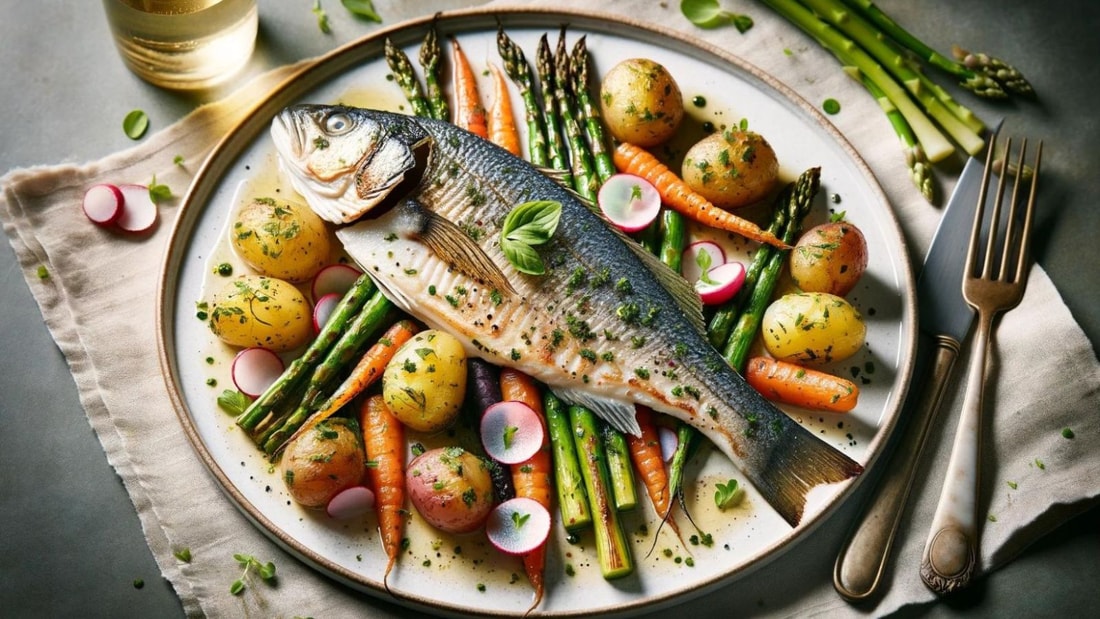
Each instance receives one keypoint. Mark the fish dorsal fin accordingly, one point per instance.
(453, 246)
(618, 414)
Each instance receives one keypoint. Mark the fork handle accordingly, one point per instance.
(862, 561)
(951, 553)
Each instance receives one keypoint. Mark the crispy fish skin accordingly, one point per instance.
(605, 327)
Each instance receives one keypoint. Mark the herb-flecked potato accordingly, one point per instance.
(829, 258)
(451, 489)
(322, 461)
(731, 168)
(641, 102)
(253, 310)
(812, 328)
(425, 382)
(280, 239)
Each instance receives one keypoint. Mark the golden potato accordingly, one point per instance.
(322, 461)
(829, 258)
(641, 102)
(731, 168)
(812, 328)
(280, 239)
(425, 382)
(451, 489)
(252, 310)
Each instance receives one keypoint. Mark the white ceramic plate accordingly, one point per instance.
(465, 575)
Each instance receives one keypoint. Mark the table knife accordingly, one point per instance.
(944, 320)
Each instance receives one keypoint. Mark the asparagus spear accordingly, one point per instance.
(585, 181)
(589, 113)
(431, 59)
(572, 498)
(515, 65)
(619, 468)
(405, 75)
(544, 64)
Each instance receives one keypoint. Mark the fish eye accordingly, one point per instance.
(337, 124)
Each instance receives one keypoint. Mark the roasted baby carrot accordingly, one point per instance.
(677, 195)
(645, 453)
(502, 121)
(793, 384)
(469, 113)
(384, 440)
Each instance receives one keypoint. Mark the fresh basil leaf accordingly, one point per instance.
(135, 124)
(534, 220)
(363, 9)
(709, 14)
(523, 257)
(233, 402)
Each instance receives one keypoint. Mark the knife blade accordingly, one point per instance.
(944, 319)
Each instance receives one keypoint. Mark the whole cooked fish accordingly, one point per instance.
(606, 326)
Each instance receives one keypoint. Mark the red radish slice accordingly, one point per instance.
(518, 526)
(721, 283)
(511, 432)
(322, 309)
(669, 442)
(350, 502)
(254, 369)
(700, 257)
(103, 204)
(630, 202)
(139, 212)
(337, 278)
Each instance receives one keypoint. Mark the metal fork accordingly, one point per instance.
(951, 553)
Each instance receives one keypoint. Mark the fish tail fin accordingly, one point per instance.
(799, 462)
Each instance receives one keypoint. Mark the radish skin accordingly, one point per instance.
(322, 309)
(350, 502)
(721, 283)
(699, 257)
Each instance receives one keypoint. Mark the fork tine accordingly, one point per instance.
(1012, 239)
(1025, 245)
(995, 218)
(979, 214)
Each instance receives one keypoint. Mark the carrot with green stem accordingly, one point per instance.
(502, 121)
(384, 442)
(645, 453)
(532, 477)
(790, 383)
(469, 113)
(677, 195)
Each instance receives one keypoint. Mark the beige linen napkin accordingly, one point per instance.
(1036, 392)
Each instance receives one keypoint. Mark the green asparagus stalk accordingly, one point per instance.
(373, 316)
(620, 470)
(612, 548)
(517, 69)
(559, 157)
(585, 181)
(572, 497)
(685, 445)
(431, 60)
(589, 112)
(405, 75)
(986, 81)
(295, 374)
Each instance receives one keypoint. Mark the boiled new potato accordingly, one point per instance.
(731, 168)
(280, 239)
(322, 461)
(425, 382)
(253, 310)
(450, 488)
(812, 328)
(829, 258)
(641, 102)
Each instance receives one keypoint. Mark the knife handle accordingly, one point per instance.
(862, 560)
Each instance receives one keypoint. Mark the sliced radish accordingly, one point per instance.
(669, 442)
(511, 432)
(350, 502)
(630, 202)
(518, 526)
(255, 369)
(139, 212)
(337, 278)
(103, 204)
(322, 309)
(700, 257)
(719, 284)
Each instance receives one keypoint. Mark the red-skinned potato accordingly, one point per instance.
(451, 489)
(829, 258)
(322, 461)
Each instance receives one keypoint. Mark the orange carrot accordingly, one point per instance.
(677, 195)
(384, 440)
(645, 453)
(366, 371)
(502, 122)
(793, 384)
(532, 478)
(469, 113)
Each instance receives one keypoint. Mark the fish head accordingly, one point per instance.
(344, 161)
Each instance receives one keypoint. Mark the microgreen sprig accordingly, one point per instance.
(248, 562)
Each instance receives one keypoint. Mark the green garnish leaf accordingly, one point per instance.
(322, 17)
(363, 9)
(528, 225)
(43, 272)
(178, 160)
(708, 14)
(158, 191)
(135, 124)
(519, 519)
(183, 554)
(233, 402)
(237, 587)
(509, 436)
(1067, 433)
(728, 495)
(831, 106)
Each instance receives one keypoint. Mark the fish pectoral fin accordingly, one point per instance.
(446, 240)
(618, 414)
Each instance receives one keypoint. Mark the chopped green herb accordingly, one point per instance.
(1039, 463)
(138, 583)
(520, 519)
(728, 495)
(322, 17)
(43, 273)
(1012, 484)
(1067, 433)
(178, 160)
(509, 436)
(831, 106)
(135, 124)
